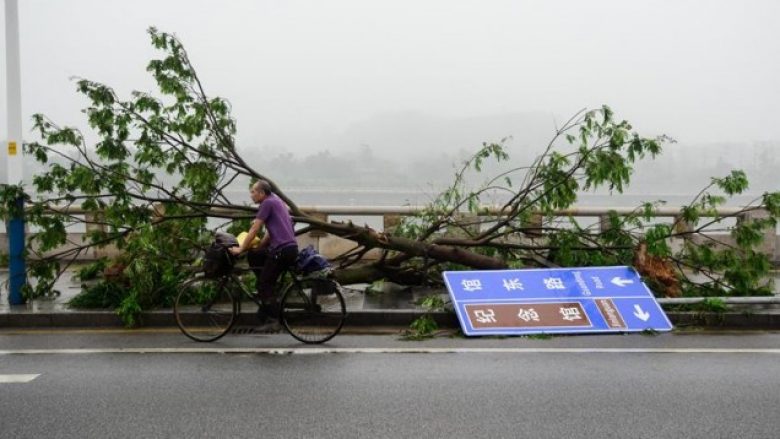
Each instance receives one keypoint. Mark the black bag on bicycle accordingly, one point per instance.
(218, 261)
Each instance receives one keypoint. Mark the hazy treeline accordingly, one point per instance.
(681, 169)
(419, 152)
(414, 150)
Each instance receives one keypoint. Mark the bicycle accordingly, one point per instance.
(312, 308)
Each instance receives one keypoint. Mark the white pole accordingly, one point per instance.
(13, 154)
(14, 165)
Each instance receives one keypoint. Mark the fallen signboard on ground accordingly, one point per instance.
(557, 300)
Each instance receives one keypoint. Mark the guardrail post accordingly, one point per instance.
(682, 226)
(769, 244)
(469, 223)
(93, 222)
(390, 223)
(319, 233)
(533, 226)
(604, 224)
(158, 212)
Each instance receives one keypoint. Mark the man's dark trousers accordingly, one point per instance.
(268, 265)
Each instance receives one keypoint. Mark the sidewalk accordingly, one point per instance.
(363, 312)
(380, 318)
(394, 309)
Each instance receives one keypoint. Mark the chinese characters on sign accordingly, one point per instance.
(554, 283)
(588, 299)
(527, 315)
(485, 316)
(476, 285)
(471, 284)
(513, 284)
(571, 314)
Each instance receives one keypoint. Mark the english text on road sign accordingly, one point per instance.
(591, 299)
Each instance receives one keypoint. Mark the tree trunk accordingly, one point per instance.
(370, 238)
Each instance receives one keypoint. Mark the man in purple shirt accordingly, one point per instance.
(278, 248)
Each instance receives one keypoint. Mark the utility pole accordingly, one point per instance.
(13, 156)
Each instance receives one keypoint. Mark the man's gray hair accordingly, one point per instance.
(264, 186)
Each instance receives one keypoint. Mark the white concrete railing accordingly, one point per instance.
(391, 215)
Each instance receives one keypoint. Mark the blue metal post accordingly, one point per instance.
(17, 273)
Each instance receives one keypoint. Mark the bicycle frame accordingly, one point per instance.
(235, 276)
(302, 313)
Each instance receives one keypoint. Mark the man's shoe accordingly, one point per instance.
(262, 315)
(271, 326)
(267, 311)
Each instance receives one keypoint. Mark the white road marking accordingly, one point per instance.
(20, 378)
(389, 350)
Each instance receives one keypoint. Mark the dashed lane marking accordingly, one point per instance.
(389, 350)
(18, 378)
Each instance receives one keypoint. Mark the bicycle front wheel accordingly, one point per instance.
(313, 310)
(206, 309)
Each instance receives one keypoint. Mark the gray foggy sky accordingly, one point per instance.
(309, 75)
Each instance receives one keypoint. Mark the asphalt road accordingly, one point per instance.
(147, 384)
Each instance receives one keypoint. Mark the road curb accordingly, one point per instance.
(747, 319)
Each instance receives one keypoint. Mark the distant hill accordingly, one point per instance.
(412, 133)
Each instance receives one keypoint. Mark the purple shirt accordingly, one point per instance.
(273, 212)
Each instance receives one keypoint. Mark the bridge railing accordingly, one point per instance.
(387, 217)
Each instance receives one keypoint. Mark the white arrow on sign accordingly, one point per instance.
(641, 314)
(619, 281)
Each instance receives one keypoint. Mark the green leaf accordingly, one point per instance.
(771, 202)
(691, 215)
(656, 238)
(735, 183)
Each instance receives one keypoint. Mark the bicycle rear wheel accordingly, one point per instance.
(313, 310)
(206, 309)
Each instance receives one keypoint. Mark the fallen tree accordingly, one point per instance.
(174, 154)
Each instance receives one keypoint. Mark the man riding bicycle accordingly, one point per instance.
(310, 308)
(278, 249)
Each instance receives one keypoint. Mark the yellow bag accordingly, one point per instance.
(242, 237)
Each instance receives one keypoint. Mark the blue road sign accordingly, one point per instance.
(558, 300)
